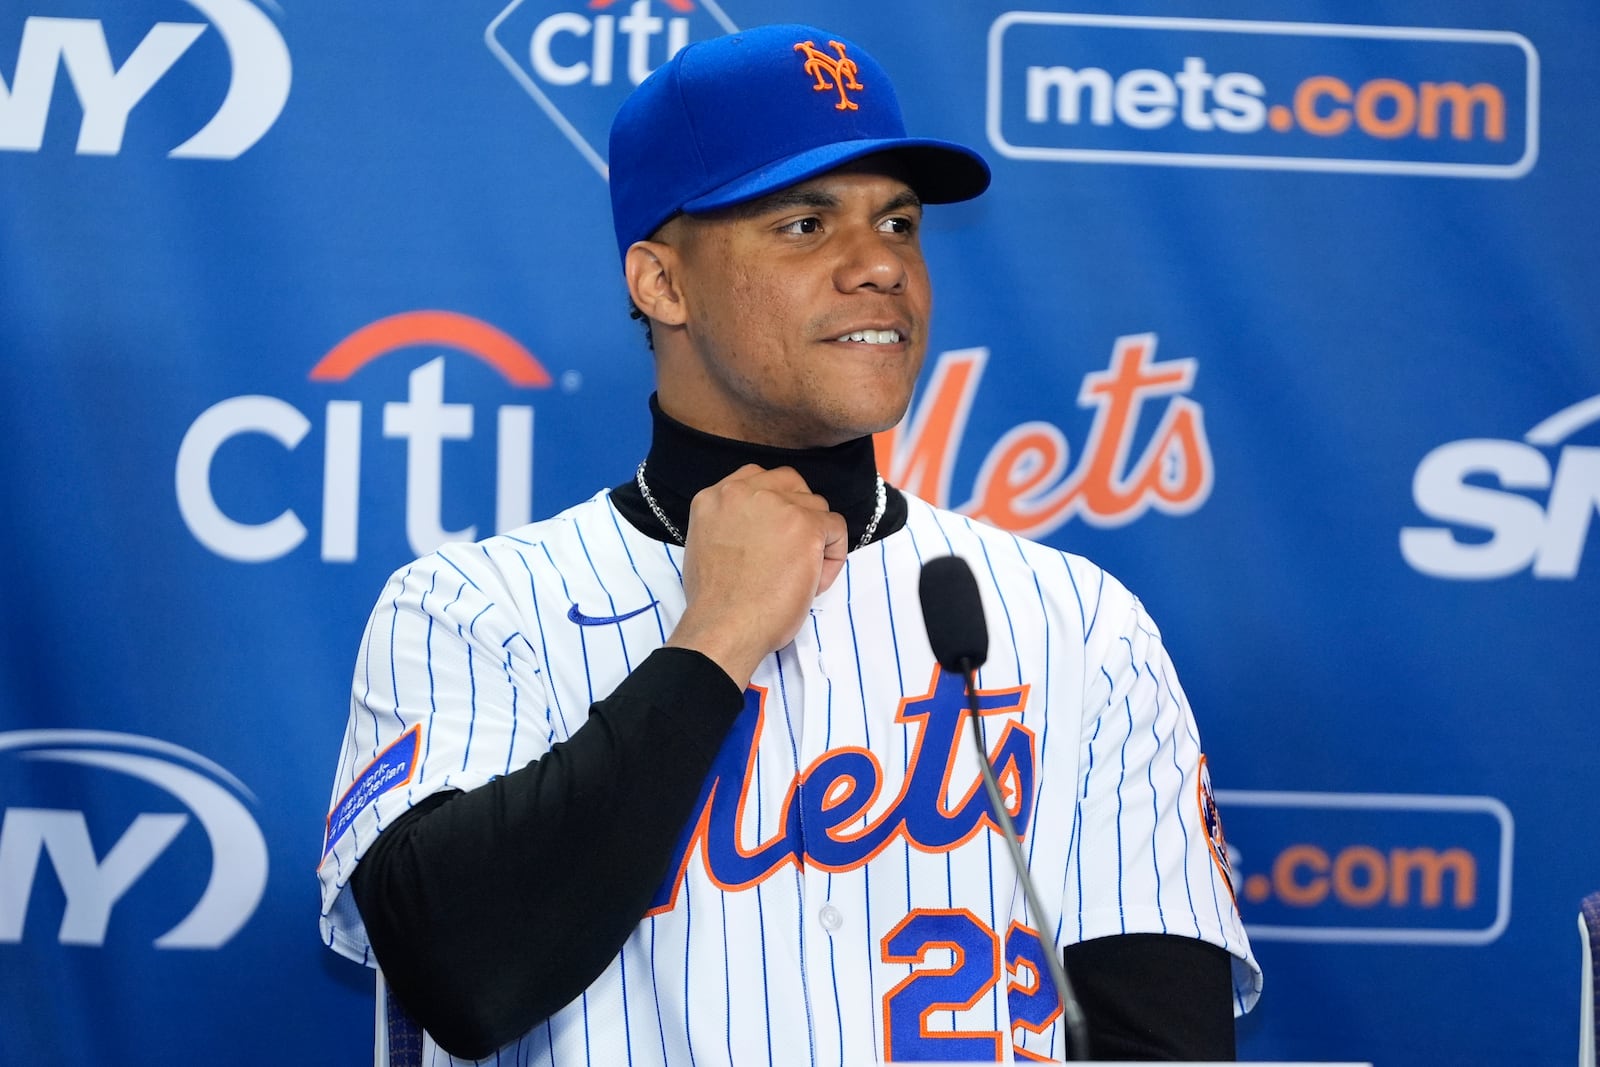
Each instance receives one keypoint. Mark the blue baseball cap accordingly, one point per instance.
(733, 118)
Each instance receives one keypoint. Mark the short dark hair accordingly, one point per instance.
(635, 313)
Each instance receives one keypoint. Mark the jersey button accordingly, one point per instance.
(830, 917)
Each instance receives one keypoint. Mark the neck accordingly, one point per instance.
(682, 461)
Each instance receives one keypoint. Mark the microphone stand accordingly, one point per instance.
(1071, 1012)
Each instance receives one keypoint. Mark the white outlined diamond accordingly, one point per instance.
(530, 83)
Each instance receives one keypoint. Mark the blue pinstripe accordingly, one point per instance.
(688, 938)
(1011, 631)
(622, 641)
(900, 679)
(552, 691)
(394, 617)
(1183, 824)
(1122, 778)
(727, 977)
(366, 702)
(1078, 855)
(622, 540)
(827, 743)
(1155, 819)
(866, 738)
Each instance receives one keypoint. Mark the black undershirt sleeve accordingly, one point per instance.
(492, 909)
(1154, 997)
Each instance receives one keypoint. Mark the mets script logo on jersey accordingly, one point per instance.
(1452, 487)
(257, 88)
(124, 876)
(578, 65)
(832, 72)
(1023, 485)
(1372, 867)
(230, 525)
(828, 820)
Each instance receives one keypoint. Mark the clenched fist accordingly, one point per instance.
(760, 547)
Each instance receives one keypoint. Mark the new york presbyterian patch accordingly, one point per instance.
(390, 769)
(1213, 822)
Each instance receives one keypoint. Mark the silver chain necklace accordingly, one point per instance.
(866, 535)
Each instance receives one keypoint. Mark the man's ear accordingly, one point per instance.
(651, 270)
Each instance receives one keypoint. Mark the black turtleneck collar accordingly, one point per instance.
(683, 461)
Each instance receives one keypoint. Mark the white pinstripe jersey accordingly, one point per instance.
(841, 897)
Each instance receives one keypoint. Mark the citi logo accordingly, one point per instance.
(424, 421)
(92, 884)
(578, 65)
(107, 93)
(1452, 486)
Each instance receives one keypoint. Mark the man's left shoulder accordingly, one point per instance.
(1003, 552)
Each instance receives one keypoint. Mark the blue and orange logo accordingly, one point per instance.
(834, 799)
(222, 496)
(1262, 95)
(837, 72)
(1371, 867)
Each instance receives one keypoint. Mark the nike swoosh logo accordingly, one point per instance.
(604, 620)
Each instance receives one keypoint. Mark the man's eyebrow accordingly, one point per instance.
(786, 200)
(813, 199)
(907, 198)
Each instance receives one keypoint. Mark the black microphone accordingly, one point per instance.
(952, 611)
(953, 614)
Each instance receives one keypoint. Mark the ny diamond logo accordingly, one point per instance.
(579, 64)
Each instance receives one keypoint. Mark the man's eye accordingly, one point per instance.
(809, 224)
(897, 224)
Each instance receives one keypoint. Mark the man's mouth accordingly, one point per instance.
(872, 337)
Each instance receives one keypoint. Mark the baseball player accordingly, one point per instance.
(673, 777)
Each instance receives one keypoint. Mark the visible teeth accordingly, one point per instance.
(873, 337)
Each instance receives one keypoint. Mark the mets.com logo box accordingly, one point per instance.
(1262, 95)
(1370, 867)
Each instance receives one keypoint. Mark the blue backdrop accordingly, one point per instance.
(1285, 311)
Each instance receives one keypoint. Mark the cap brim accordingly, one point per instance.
(941, 172)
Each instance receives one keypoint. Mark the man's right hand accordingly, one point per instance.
(761, 546)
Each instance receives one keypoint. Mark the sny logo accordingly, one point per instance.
(424, 420)
(91, 886)
(1449, 487)
(257, 87)
(578, 66)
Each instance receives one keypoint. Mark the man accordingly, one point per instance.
(672, 777)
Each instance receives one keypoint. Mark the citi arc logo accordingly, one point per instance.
(31, 837)
(425, 421)
(107, 93)
(579, 62)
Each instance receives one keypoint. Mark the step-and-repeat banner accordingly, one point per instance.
(1285, 311)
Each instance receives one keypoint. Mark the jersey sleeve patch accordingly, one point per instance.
(1212, 817)
(392, 768)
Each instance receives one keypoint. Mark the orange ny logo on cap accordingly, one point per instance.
(822, 66)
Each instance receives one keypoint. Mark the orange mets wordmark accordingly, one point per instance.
(822, 66)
